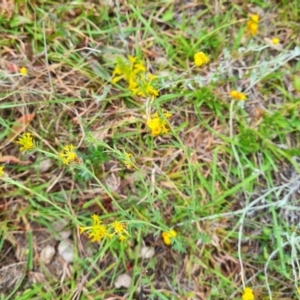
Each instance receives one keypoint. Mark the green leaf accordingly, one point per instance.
(296, 83)
(169, 14)
(19, 20)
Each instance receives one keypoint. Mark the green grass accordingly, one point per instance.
(226, 176)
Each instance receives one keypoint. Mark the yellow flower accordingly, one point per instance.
(23, 71)
(25, 142)
(128, 161)
(139, 67)
(132, 59)
(275, 41)
(158, 125)
(168, 236)
(248, 294)
(67, 155)
(126, 71)
(97, 231)
(1, 171)
(254, 18)
(200, 59)
(237, 95)
(252, 28)
(120, 229)
(142, 86)
(252, 24)
(132, 84)
(155, 125)
(149, 89)
(122, 238)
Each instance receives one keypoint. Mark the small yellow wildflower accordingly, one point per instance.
(122, 237)
(168, 236)
(120, 229)
(150, 90)
(132, 59)
(139, 67)
(128, 161)
(67, 155)
(25, 142)
(23, 71)
(142, 86)
(254, 18)
(200, 59)
(237, 95)
(126, 71)
(298, 290)
(252, 24)
(97, 231)
(275, 41)
(158, 125)
(248, 294)
(1, 171)
(132, 84)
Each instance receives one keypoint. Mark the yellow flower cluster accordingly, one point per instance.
(168, 236)
(248, 294)
(200, 59)
(252, 24)
(25, 142)
(134, 73)
(67, 154)
(98, 231)
(158, 124)
(237, 95)
(275, 41)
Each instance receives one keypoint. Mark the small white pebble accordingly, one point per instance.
(123, 280)
(47, 254)
(66, 250)
(113, 182)
(46, 164)
(147, 252)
